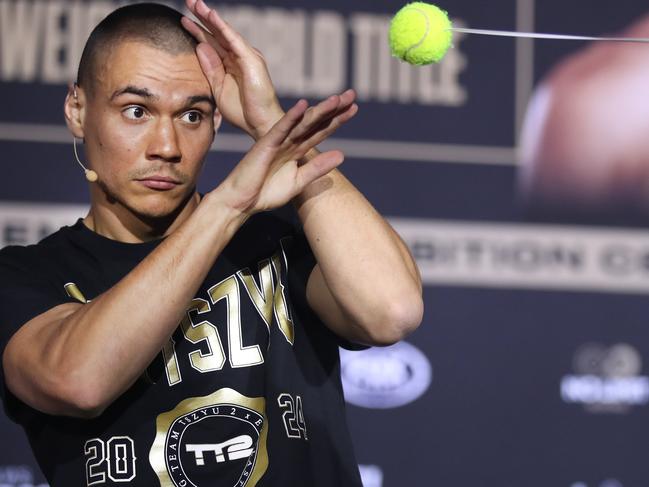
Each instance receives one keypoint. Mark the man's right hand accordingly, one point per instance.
(271, 173)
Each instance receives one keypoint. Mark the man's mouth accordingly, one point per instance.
(162, 183)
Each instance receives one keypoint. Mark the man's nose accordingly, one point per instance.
(164, 142)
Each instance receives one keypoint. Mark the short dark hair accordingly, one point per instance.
(151, 23)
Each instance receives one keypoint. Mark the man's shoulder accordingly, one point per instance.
(22, 255)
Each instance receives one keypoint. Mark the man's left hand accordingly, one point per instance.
(236, 71)
(239, 77)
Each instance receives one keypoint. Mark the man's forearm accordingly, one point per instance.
(365, 264)
(103, 347)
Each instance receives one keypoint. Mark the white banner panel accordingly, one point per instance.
(24, 223)
(451, 253)
(528, 256)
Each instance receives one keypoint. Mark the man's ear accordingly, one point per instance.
(74, 110)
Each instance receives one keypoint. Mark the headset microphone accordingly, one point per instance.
(91, 175)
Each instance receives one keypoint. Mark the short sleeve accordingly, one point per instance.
(24, 294)
(302, 263)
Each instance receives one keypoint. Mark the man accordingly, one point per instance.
(585, 146)
(246, 390)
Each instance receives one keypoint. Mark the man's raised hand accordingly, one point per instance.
(270, 174)
(236, 71)
(238, 74)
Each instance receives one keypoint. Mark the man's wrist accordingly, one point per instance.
(223, 213)
(263, 129)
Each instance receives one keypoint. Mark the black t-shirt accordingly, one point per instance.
(247, 391)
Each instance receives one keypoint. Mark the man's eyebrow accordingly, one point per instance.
(145, 93)
(134, 90)
(193, 100)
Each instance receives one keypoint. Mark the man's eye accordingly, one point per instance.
(134, 113)
(192, 117)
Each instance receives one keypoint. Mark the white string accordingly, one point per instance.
(534, 35)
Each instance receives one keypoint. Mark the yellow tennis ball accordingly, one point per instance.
(420, 33)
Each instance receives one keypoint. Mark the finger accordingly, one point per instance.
(322, 116)
(326, 129)
(262, 154)
(318, 167)
(214, 23)
(322, 132)
(202, 35)
(314, 116)
(347, 97)
(280, 131)
(194, 29)
(266, 148)
(339, 119)
(327, 109)
(224, 32)
(201, 12)
(212, 65)
(344, 100)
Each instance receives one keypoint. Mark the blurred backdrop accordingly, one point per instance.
(516, 170)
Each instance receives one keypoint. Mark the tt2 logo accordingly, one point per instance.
(232, 449)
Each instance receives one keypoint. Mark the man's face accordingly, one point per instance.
(148, 125)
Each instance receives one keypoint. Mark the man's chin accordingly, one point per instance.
(160, 205)
(153, 206)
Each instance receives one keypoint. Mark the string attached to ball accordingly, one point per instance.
(421, 33)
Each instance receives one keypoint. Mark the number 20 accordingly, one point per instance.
(116, 457)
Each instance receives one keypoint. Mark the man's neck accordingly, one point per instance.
(121, 224)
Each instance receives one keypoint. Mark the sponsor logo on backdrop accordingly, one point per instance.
(528, 256)
(371, 475)
(606, 379)
(388, 377)
(603, 483)
(17, 476)
(24, 224)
